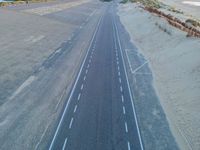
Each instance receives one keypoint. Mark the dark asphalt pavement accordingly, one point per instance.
(99, 113)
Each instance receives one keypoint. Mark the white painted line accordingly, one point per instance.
(137, 73)
(89, 60)
(121, 89)
(126, 128)
(84, 78)
(124, 110)
(75, 108)
(119, 73)
(115, 29)
(117, 62)
(71, 122)
(117, 58)
(81, 86)
(79, 95)
(122, 98)
(88, 65)
(86, 71)
(64, 145)
(129, 63)
(128, 144)
(74, 86)
(43, 134)
(120, 81)
(138, 68)
(118, 68)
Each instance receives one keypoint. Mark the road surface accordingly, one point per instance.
(99, 113)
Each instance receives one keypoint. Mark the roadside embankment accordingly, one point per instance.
(174, 60)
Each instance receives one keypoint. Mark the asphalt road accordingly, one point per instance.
(99, 113)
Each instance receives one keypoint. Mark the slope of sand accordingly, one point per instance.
(187, 6)
(175, 63)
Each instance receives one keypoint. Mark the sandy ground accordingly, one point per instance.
(39, 58)
(24, 46)
(174, 60)
(184, 6)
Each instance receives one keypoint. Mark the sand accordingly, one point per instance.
(187, 6)
(175, 63)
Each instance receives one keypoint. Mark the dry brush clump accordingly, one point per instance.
(149, 3)
(191, 31)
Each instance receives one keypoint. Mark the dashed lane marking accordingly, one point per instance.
(126, 127)
(75, 108)
(88, 65)
(128, 144)
(81, 86)
(124, 110)
(121, 89)
(65, 143)
(71, 122)
(79, 95)
(120, 80)
(122, 98)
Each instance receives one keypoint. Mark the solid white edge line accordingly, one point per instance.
(133, 107)
(73, 89)
(64, 145)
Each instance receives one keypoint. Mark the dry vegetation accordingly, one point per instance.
(17, 2)
(190, 26)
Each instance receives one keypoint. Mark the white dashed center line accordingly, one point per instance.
(120, 81)
(71, 122)
(88, 65)
(84, 78)
(75, 108)
(119, 73)
(81, 86)
(79, 95)
(126, 128)
(128, 144)
(64, 145)
(124, 110)
(118, 68)
(122, 98)
(121, 89)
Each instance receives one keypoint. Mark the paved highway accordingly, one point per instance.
(99, 112)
